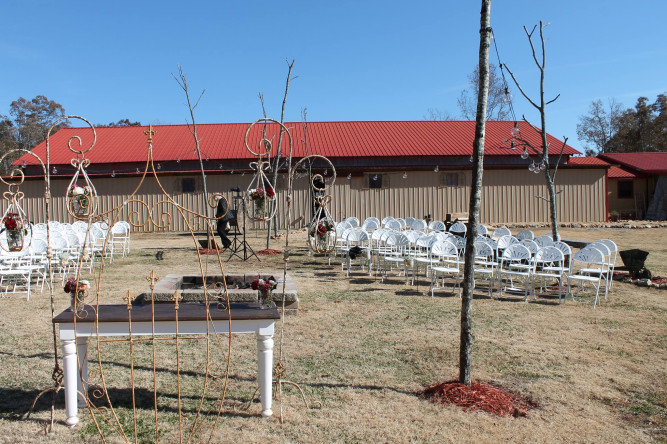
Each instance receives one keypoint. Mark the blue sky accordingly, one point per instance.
(355, 60)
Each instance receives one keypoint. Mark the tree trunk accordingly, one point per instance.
(552, 205)
(465, 355)
(276, 164)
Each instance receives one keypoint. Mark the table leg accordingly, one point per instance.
(70, 375)
(265, 372)
(82, 365)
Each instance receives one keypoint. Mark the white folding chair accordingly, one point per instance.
(448, 265)
(396, 246)
(359, 240)
(515, 264)
(549, 267)
(485, 266)
(586, 259)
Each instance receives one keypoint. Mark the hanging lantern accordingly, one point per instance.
(260, 195)
(322, 230)
(260, 198)
(81, 193)
(15, 224)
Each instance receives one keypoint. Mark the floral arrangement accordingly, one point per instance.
(76, 290)
(71, 286)
(264, 285)
(16, 231)
(76, 190)
(323, 227)
(259, 192)
(12, 221)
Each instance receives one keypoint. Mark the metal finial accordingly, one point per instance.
(150, 133)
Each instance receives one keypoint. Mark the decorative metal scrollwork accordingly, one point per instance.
(260, 197)
(322, 229)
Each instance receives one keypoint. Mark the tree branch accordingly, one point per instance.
(553, 100)
(521, 89)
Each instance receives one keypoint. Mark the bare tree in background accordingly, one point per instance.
(599, 126)
(541, 151)
(465, 352)
(276, 161)
(498, 107)
(192, 126)
(438, 114)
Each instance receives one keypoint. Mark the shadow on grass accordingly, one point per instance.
(410, 292)
(362, 281)
(325, 274)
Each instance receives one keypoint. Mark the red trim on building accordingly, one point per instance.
(606, 196)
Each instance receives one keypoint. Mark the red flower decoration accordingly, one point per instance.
(70, 285)
(270, 192)
(10, 224)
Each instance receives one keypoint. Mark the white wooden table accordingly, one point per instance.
(113, 320)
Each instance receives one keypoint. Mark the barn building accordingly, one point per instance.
(400, 169)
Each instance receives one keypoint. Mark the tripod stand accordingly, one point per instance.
(237, 245)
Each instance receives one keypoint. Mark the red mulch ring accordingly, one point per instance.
(269, 251)
(210, 251)
(479, 396)
(659, 280)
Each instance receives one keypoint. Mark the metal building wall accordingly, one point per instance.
(508, 196)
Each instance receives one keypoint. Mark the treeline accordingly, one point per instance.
(27, 123)
(607, 128)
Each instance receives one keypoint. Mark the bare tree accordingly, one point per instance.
(498, 106)
(438, 114)
(192, 124)
(276, 161)
(541, 151)
(465, 352)
(599, 126)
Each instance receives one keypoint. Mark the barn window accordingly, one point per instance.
(625, 189)
(452, 179)
(375, 181)
(188, 185)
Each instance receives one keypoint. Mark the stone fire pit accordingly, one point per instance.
(191, 289)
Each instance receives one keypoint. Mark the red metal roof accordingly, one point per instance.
(647, 163)
(588, 161)
(616, 172)
(331, 139)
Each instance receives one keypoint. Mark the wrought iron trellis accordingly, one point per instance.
(82, 205)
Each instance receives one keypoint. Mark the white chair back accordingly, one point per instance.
(544, 241)
(458, 228)
(500, 232)
(437, 225)
(353, 221)
(393, 225)
(525, 234)
(419, 224)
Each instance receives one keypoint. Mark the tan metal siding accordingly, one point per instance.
(508, 196)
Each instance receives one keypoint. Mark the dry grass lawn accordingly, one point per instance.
(361, 350)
